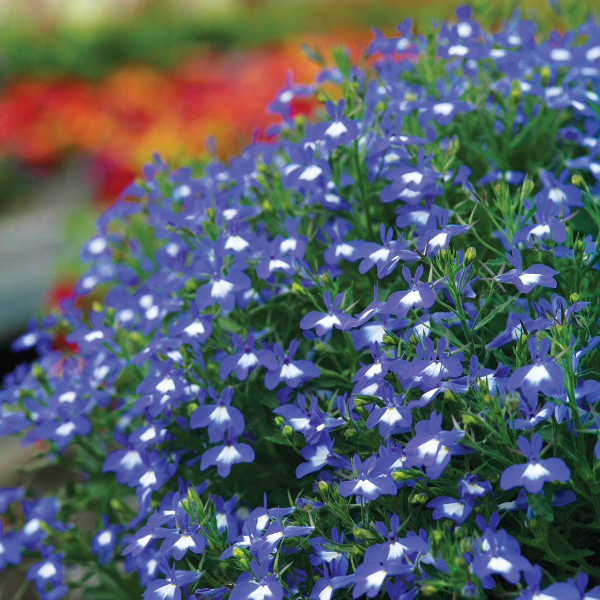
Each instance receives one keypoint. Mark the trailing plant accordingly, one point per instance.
(359, 359)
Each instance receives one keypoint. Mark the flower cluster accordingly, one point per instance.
(301, 383)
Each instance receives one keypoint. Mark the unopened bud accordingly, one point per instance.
(487, 398)
(388, 339)
(210, 212)
(191, 407)
(469, 590)
(535, 242)
(266, 205)
(349, 433)
(470, 255)
(515, 92)
(577, 180)
(419, 498)
(279, 421)
(449, 394)
(494, 478)
(545, 73)
(241, 556)
(428, 589)
(38, 372)
(363, 534)
(469, 419)
(574, 297)
(322, 486)
(466, 544)
(297, 288)
(287, 431)
(511, 401)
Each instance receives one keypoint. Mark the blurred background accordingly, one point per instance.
(89, 89)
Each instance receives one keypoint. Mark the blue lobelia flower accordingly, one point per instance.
(544, 375)
(526, 280)
(369, 576)
(221, 288)
(50, 569)
(372, 478)
(536, 471)
(334, 578)
(259, 584)
(340, 130)
(325, 322)
(418, 294)
(10, 548)
(169, 588)
(391, 417)
(247, 358)
(229, 453)
(219, 416)
(187, 537)
(555, 591)
(291, 372)
(104, 541)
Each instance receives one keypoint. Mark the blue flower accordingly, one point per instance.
(536, 471)
(526, 280)
(50, 569)
(325, 322)
(544, 375)
(291, 372)
(372, 478)
(230, 452)
(259, 584)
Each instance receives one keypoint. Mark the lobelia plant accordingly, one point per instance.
(253, 413)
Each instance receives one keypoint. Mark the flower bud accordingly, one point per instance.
(349, 433)
(363, 534)
(577, 180)
(428, 588)
(38, 372)
(545, 73)
(287, 431)
(535, 242)
(358, 402)
(449, 394)
(470, 255)
(279, 421)
(511, 401)
(404, 474)
(388, 339)
(494, 478)
(466, 544)
(515, 92)
(297, 288)
(418, 498)
(241, 556)
(574, 297)
(266, 205)
(469, 419)
(322, 486)
(210, 212)
(191, 407)
(469, 590)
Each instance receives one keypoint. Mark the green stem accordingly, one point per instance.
(363, 193)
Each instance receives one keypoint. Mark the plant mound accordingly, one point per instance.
(360, 359)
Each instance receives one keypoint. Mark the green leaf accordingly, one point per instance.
(541, 506)
(496, 311)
